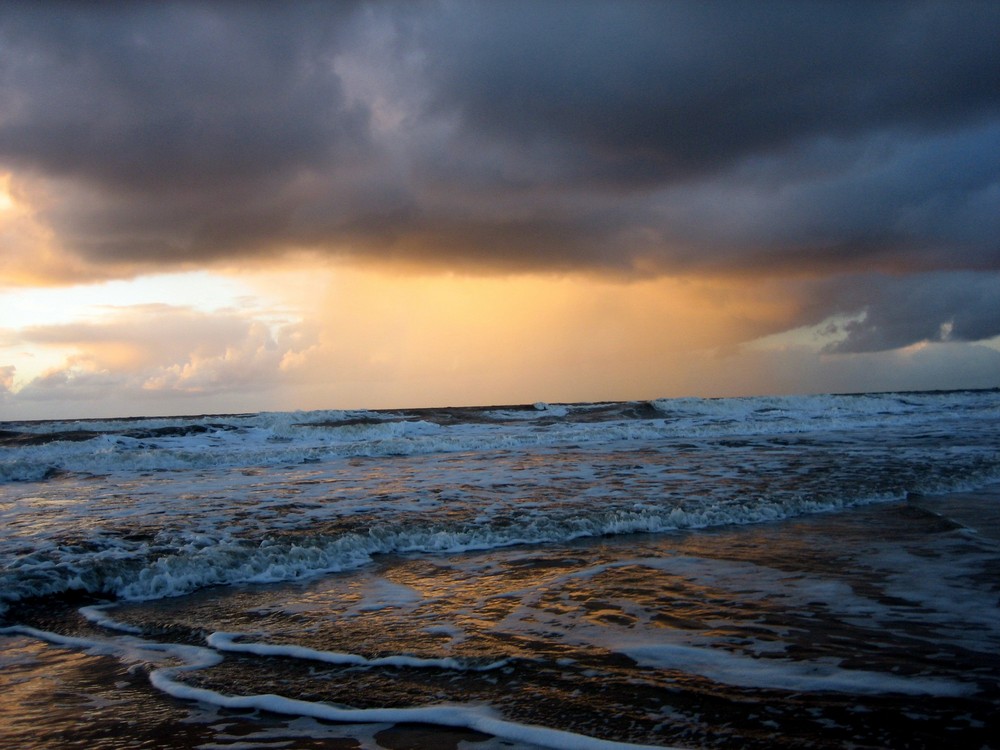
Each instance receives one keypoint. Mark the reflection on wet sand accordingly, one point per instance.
(869, 626)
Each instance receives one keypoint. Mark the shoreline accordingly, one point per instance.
(111, 700)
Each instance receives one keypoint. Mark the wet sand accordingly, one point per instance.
(57, 698)
(844, 586)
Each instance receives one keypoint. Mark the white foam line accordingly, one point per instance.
(744, 671)
(227, 642)
(95, 614)
(475, 718)
(196, 658)
(89, 644)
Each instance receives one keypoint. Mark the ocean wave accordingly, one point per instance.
(143, 570)
(194, 502)
(32, 452)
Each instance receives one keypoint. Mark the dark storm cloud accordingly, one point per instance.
(777, 138)
(163, 97)
(656, 91)
(183, 122)
(892, 313)
(890, 202)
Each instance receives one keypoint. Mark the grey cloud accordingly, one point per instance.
(72, 386)
(185, 125)
(787, 139)
(163, 97)
(887, 201)
(7, 373)
(658, 91)
(894, 312)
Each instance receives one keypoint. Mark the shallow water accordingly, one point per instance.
(694, 574)
(876, 626)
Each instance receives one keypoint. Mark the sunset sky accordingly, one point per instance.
(217, 207)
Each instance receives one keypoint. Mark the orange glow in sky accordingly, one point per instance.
(309, 335)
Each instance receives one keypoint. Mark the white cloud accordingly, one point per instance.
(133, 357)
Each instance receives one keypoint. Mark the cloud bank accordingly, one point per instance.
(850, 149)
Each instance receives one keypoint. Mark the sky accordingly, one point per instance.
(217, 207)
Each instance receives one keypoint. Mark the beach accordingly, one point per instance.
(739, 573)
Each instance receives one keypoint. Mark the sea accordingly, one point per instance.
(814, 571)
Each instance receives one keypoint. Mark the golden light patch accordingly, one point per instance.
(6, 199)
(410, 339)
